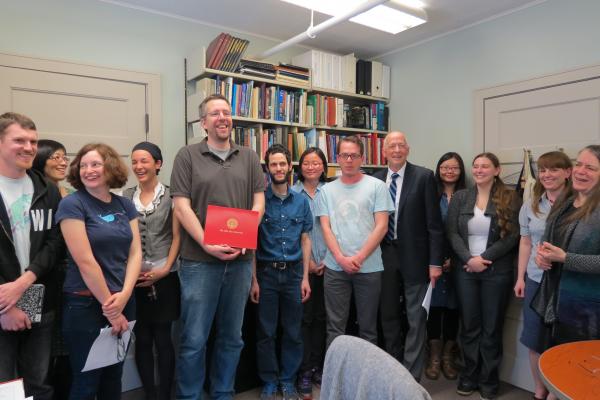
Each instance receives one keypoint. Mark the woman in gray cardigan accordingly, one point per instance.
(482, 228)
(569, 295)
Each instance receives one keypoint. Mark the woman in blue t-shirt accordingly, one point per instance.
(104, 261)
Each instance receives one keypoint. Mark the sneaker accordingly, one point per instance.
(317, 375)
(465, 389)
(269, 392)
(288, 392)
(486, 396)
(305, 384)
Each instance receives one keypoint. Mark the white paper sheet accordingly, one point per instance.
(427, 299)
(108, 349)
(12, 390)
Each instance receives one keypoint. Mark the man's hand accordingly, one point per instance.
(10, 293)
(348, 264)
(254, 291)
(222, 252)
(434, 274)
(14, 320)
(305, 290)
(520, 288)
(320, 270)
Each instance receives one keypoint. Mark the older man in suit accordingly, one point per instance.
(412, 253)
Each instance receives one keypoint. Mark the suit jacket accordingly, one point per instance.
(419, 227)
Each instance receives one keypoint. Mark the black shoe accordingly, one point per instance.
(465, 389)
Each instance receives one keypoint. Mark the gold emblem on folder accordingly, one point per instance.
(232, 223)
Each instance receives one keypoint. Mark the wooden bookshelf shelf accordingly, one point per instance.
(343, 129)
(211, 73)
(348, 95)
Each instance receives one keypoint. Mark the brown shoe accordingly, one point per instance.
(448, 368)
(432, 371)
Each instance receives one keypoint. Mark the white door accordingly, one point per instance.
(560, 111)
(77, 104)
(76, 110)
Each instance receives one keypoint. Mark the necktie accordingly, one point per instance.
(392, 219)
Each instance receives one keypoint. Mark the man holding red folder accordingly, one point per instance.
(215, 279)
(280, 280)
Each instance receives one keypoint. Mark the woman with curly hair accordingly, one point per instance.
(104, 262)
(482, 228)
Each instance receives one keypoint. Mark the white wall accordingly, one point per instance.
(433, 83)
(93, 32)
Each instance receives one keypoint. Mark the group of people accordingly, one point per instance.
(381, 240)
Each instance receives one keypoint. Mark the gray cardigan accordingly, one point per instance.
(581, 242)
(498, 250)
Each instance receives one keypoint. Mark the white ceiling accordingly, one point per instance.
(278, 20)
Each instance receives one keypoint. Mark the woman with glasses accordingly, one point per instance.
(554, 170)
(311, 178)
(569, 298)
(104, 262)
(442, 322)
(157, 296)
(52, 161)
(482, 228)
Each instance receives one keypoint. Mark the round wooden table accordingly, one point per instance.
(572, 370)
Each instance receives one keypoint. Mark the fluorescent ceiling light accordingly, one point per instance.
(394, 17)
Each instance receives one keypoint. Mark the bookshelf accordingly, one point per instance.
(267, 111)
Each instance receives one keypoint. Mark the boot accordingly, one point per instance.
(448, 368)
(432, 371)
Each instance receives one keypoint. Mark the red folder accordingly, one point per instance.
(231, 226)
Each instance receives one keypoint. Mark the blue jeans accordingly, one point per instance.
(26, 354)
(82, 321)
(211, 291)
(279, 291)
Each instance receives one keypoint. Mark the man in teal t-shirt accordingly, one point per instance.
(354, 213)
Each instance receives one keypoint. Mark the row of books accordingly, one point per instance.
(257, 100)
(334, 111)
(297, 142)
(346, 73)
(225, 52)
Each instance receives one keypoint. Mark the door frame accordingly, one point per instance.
(480, 96)
(149, 80)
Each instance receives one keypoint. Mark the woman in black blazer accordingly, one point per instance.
(482, 228)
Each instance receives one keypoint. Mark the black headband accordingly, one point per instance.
(151, 148)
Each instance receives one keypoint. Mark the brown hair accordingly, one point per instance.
(351, 139)
(552, 159)
(502, 197)
(9, 118)
(212, 97)
(115, 169)
(593, 200)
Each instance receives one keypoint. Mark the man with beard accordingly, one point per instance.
(215, 279)
(280, 278)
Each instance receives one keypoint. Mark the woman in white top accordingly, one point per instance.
(554, 170)
(482, 228)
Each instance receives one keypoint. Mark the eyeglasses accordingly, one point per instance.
(450, 169)
(312, 164)
(352, 156)
(216, 114)
(58, 158)
(92, 165)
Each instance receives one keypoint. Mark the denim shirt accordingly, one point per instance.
(282, 226)
(533, 226)
(319, 248)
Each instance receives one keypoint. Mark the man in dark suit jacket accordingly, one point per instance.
(412, 253)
